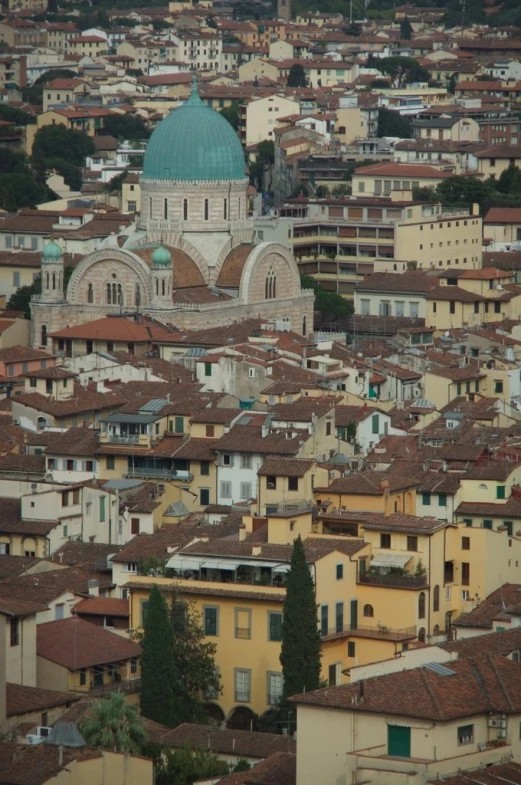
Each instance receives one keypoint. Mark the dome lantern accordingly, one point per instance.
(161, 257)
(52, 252)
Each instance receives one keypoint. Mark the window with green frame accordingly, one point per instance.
(509, 526)
(442, 500)
(498, 387)
(375, 423)
(458, 388)
(467, 522)
(208, 369)
(179, 425)
(487, 524)
(500, 491)
(426, 499)
(144, 611)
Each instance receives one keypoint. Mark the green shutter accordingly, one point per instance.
(102, 509)
(399, 741)
(275, 620)
(500, 491)
(375, 423)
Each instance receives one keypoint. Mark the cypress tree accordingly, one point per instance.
(300, 650)
(157, 663)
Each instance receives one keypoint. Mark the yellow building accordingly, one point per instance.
(88, 46)
(493, 161)
(383, 179)
(131, 194)
(369, 491)
(77, 656)
(414, 726)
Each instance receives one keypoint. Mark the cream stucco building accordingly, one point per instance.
(190, 259)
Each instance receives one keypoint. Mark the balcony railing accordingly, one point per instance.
(391, 580)
(243, 632)
(169, 474)
(380, 631)
(128, 685)
(289, 507)
(114, 438)
(242, 696)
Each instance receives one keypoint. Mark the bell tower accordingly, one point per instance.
(162, 278)
(52, 274)
(284, 10)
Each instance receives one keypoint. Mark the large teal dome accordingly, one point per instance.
(194, 143)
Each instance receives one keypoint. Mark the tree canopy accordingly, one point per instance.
(57, 141)
(114, 725)
(406, 30)
(300, 651)
(297, 76)
(158, 683)
(330, 305)
(402, 70)
(392, 123)
(231, 113)
(125, 126)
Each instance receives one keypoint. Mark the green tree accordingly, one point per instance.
(300, 652)
(263, 164)
(392, 123)
(158, 678)
(20, 189)
(406, 30)
(473, 12)
(353, 29)
(114, 725)
(462, 190)
(402, 70)
(71, 174)
(330, 305)
(451, 84)
(184, 766)
(125, 126)
(12, 161)
(231, 113)
(509, 181)
(321, 191)
(193, 661)
(56, 141)
(297, 76)
(21, 299)
(210, 22)
(17, 116)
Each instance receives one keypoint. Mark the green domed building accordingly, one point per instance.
(191, 258)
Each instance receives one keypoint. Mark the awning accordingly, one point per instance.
(390, 560)
(179, 562)
(220, 564)
(282, 568)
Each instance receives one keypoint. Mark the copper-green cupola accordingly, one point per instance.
(161, 257)
(194, 143)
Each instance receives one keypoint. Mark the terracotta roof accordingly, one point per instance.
(197, 450)
(345, 415)
(279, 768)
(113, 328)
(185, 271)
(21, 699)
(315, 548)
(90, 555)
(242, 743)
(103, 606)
(491, 470)
(286, 467)
(49, 373)
(74, 644)
(243, 438)
(492, 608)
(241, 592)
(24, 764)
(503, 642)
(161, 543)
(403, 170)
(47, 585)
(487, 684)
(230, 273)
(23, 354)
(417, 281)
(16, 565)
(84, 400)
(75, 441)
(510, 509)
(304, 409)
(397, 521)
(11, 521)
(370, 483)
(216, 415)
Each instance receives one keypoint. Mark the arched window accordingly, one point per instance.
(421, 605)
(304, 326)
(270, 286)
(150, 207)
(41, 423)
(138, 295)
(238, 208)
(163, 287)
(368, 611)
(90, 293)
(120, 294)
(157, 286)
(47, 280)
(44, 335)
(225, 210)
(109, 294)
(185, 209)
(421, 634)
(436, 599)
(206, 209)
(341, 130)
(165, 209)
(436, 630)
(54, 280)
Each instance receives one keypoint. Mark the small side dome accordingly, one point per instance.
(52, 251)
(161, 257)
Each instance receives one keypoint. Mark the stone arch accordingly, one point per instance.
(29, 544)
(242, 718)
(214, 714)
(114, 255)
(257, 266)
(6, 544)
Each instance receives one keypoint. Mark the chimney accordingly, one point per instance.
(93, 585)
(256, 550)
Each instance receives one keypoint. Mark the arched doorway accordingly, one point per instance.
(242, 718)
(214, 714)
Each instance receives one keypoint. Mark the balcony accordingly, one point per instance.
(289, 507)
(391, 580)
(378, 632)
(128, 685)
(244, 633)
(160, 473)
(137, 439)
